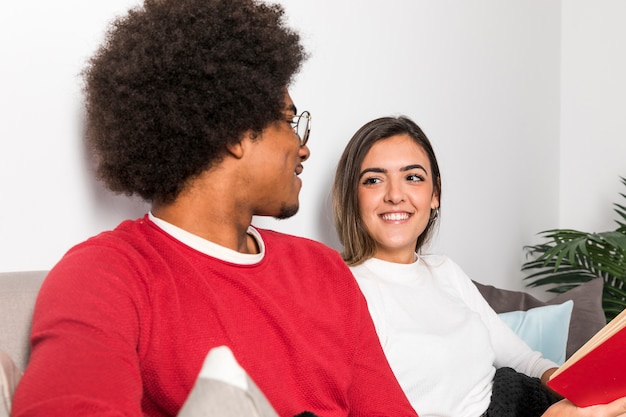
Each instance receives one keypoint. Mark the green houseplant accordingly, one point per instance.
(568, 258)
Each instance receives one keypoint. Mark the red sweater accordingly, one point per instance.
(125, 320)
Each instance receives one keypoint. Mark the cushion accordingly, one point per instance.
(544, 329)
(587, 314)
(223, 388)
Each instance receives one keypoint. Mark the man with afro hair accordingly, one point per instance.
(187, 106)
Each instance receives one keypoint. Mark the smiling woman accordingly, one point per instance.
(430, 318)
(354, 174)
(397, 196)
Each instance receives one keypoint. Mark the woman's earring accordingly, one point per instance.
(434, 214)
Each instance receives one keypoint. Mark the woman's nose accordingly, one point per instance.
(394, 193)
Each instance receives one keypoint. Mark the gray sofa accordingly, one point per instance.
(18, 291)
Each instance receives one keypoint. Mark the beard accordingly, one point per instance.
(287, 211)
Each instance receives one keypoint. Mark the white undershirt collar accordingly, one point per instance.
(210, 248)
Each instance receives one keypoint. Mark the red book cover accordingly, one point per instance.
(596, 373)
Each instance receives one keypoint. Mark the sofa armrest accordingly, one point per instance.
(18, 292)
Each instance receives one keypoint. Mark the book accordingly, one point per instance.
(595, 373)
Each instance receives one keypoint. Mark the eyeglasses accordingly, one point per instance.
(301, 124)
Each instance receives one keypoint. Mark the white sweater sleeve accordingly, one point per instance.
(510, 350)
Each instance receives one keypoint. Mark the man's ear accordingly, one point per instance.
(237, 149)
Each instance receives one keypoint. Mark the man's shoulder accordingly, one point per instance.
(285, 239)
(303, 249)
(130, 239)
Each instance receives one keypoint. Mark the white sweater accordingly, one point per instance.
(443, 341)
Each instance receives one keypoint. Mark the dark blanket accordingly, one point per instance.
(518, 395)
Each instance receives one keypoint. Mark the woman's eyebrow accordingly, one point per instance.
(416, 166)
(377, 170)
(384, 171)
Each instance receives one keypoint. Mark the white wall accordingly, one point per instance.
(482, 77)
(593, 113)
(482, 85)
(49, 197)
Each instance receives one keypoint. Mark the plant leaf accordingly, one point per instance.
(567, 258)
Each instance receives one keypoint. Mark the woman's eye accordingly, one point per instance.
(415, 178)
(371, 181)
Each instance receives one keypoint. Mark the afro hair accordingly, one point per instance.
(176, 81)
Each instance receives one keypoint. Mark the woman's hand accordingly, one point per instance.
(565, 408)
(544, 380)
(546, 376)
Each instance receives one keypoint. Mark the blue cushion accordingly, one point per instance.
(544, 329)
